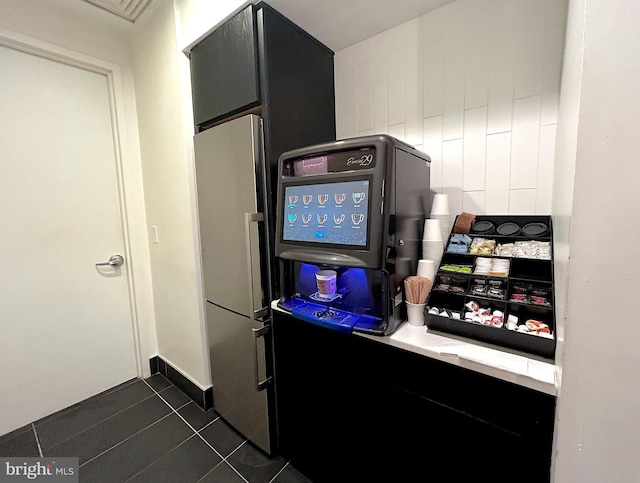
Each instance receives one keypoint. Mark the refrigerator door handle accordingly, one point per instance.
(253, 275)
(257, 333)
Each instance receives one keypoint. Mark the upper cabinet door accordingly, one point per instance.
(224, 70)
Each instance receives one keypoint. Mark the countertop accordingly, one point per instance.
(511, 367)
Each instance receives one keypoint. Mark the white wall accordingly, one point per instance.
(80, 27)
(165, 145)
(195, 18)
(598, 427)
(475, 84)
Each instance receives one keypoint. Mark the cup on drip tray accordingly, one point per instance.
(326, 282)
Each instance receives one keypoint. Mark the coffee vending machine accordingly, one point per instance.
(349, 229)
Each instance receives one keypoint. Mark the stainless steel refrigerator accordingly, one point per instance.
(231, 193)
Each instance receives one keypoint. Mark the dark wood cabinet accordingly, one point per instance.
(351, 407)
(224, 69)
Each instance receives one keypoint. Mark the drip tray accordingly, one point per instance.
(330, 318)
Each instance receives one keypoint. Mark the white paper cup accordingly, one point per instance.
(326, 282)
(415, 313)
(445, 225)
(432, 230)
(426, 269)
(432, 250)
(440, 205)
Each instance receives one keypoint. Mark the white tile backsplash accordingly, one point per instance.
(473, 201)
(414, 116)
(365, 107)
(498, 167)
(396, 50)
(477, 17)
(555, 13)
(529, 49)
(503, 16)
(544, 185)
(452, 173)
(380, 106)
(432, 145)
(454, 24)
(453, 98)
(476, 80)
(500, 88)
(433, 76)
(475, 84)
(346, 111)
(396, 98)
(397, 130)
(413, 39)
(522, 202)
(474, 146)
(364, 67)
(524, 142)
(379, 47)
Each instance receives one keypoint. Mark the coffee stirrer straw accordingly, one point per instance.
(417, 289)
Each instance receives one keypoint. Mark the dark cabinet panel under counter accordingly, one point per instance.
(365, 408)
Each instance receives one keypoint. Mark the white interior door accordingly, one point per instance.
(65, 325)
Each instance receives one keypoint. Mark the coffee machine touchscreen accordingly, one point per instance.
(332, 213)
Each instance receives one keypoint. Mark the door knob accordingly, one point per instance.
(114, 261)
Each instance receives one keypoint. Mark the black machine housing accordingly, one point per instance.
(398, 200)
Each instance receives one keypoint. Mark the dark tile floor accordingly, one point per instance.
(148, 430)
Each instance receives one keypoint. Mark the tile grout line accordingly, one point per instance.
(102, 421)
(224, 459)
(96, 397)
(178, 414)
(33, 426)
(126, 439)
(197, 433)
(187, 422)
(156, 460)
(137, 432)
(230, 465)
(278, 473)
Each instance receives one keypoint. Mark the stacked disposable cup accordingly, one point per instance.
(432, 245)
(426, 269)
(440, 211)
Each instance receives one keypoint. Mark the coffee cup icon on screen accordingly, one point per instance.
(339, 197)
(322, 199)
(306, 199)
(338, 219)
(357, 218)
(358, 197)
(306, 219)
(293, 200)
(321, 219)
(292, 217)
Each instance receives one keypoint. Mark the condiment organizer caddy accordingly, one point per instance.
(508, 285)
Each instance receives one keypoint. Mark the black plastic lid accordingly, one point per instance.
(535, 229)
(509, 229)
(483, 227)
